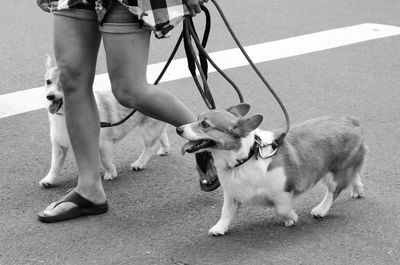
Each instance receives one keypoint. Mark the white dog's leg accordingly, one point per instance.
(107, 158)
(322, 209)
(150, 138)
(165, 146)
(229, 211)
(283, 207)
(358, 187)
(58, 154)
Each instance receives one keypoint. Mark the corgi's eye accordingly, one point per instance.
(48, 82)
(204, 124)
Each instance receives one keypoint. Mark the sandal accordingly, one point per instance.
(84, 207)
(208, 174)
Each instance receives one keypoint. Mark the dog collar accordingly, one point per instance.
(257, 151)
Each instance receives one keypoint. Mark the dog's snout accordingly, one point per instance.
(179, 130)
(51, 96)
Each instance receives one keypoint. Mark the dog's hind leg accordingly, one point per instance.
(150, 144)
(165, 146)
(107, 158)
(358, 187)
(321, 210)
(58, 154)
(229, 211)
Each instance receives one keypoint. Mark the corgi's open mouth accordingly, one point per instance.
(193, 146)
(55, 105)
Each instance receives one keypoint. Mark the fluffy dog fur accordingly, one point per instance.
(150, 130)
(330, 150)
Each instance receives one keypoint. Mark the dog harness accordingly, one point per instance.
(160, 16)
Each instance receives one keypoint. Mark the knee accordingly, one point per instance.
(74, 80)
(128, 95)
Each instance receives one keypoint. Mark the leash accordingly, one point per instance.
(188, 35)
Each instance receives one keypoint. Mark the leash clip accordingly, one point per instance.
(261, 146)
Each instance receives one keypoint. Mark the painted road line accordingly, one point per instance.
(33, 99)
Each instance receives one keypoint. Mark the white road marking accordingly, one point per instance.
(33, 99)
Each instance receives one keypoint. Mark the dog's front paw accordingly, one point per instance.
(319, 212)
(47, 182)
(289, 223)
(163, 151)
(217, 230)
(138, 165)
(357, 191)
(110, 173)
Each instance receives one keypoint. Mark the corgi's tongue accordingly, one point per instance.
(55, 106)
(193, 146)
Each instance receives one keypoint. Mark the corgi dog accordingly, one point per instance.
(252, 172)
(150, 130)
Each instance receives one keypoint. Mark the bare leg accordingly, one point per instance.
(76, 44)
(229, 211)
(127, 56)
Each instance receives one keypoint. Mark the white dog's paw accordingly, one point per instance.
(289, 223)
(319, 212)
(47, 182)
(357, 191)
(217, 230)
(110, 174)
(163, 151)
(138, 165)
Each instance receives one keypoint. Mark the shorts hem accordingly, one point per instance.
(121, 28)
(77, 13)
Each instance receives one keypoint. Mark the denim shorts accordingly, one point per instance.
(118, 18)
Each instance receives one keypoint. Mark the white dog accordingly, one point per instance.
(328, 149)
(151, 130)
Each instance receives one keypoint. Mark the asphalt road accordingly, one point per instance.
(159, 215)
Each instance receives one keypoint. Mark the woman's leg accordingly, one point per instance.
(127, 50)
(127, 57)
(76, 44)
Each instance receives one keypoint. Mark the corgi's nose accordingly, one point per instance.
(51, 97)
(179, 130)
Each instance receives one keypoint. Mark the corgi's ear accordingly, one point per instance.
(244, 126)
(49, 62)
(239, 110)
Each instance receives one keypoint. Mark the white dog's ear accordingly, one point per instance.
(49, 62)
(245, 125)
(239, 110)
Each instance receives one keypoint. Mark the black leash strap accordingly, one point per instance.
(189, 32)
(278, 141)
(202, 66)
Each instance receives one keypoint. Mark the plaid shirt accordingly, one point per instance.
(161, 16)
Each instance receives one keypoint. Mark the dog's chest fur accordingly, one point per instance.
(251, 183)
